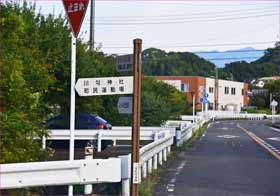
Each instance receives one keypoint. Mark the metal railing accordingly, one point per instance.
(21, 175)
(92, 171)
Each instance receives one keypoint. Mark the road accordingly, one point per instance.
(225, 161)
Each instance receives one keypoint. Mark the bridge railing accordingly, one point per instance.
(92, 171)
(150, 156)
(117, 133)
(53, 173)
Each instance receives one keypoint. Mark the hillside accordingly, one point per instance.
(264, 66)
(157, 62)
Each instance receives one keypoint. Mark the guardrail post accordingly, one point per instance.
(114, 142)
(178, 137)
(125, 187)
(155, 161)
(160, 157)
(44, 142)
(150, 165)
(88, 155)
(156, 136)
(144, 170)
(165, 154)
(99, 142)
(168, 149)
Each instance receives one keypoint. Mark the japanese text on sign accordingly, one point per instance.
(104, 86)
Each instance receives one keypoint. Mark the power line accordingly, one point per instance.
(201, 13)
(187, 21)
(199, 45)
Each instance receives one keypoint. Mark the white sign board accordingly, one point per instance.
(136, 173)
(125, 105)
(124, 63)
(104, 86)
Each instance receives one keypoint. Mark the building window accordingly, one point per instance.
(226, 90)
(233, 91)
(211, 90)
(185, 87)
(242, 92)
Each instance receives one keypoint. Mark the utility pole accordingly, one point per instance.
(135, 165)
(92, 24)
(216, 98)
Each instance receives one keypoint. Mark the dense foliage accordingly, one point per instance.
(157, 62)
(265, 66)
(274, 89)
(25, 81)
(36, 82)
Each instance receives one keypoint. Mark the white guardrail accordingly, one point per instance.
(90, 171)
(20, 175)
(116, 133)
(150, 156)
(219, 115)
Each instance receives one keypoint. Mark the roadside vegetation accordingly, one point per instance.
(36, 83)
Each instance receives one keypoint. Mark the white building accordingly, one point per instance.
(228, 95)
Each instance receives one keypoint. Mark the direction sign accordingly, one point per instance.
(104, 86)
(124, 63)
(203, 100)
(125, 105)
(206, 95)
(75, 10)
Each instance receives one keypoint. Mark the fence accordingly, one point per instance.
(117, 133)
(21, 175)
(92, 171)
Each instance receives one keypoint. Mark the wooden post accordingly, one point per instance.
(135, 166)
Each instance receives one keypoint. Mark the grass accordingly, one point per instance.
(260, 111)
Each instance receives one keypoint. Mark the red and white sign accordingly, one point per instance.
(75, 10)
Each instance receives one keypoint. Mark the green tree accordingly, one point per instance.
(25, 81)
(157, 62)
(274, 89)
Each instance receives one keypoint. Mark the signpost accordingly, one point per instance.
(135, 169)
(75, 11)
(125, 105)
(104, 86)
(273, 105)
(124, 63)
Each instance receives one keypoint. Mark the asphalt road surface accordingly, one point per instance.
(225, 161)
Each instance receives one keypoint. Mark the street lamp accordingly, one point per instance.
(193, 99)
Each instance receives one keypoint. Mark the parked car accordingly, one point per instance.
(82, 121)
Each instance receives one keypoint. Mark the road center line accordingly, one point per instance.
(260, 142)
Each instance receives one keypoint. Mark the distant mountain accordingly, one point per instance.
(267, 65)
(247, 54)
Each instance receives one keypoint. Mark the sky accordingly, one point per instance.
(181, 25)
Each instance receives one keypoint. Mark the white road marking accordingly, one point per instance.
(274, 138)
(227, 136)
(173, 180)
(223, 128)
(170, 187)
(278, 130)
